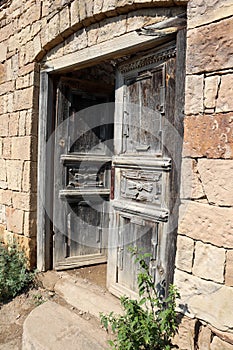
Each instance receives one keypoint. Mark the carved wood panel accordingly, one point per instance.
(142, 186)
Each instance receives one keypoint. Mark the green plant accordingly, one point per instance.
(38, 299)
(14, 275)
(148, 323)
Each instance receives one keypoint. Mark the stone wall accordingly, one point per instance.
(33, 32)
(204, 266)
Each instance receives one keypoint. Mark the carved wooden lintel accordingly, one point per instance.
(160, 56)
(150, 213)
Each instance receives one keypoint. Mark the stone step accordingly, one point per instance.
(53, 327)
(86, 296)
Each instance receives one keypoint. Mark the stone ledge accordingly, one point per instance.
(206, 300)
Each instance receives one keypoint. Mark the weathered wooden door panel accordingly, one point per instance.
(144, 100)
(83, 144)
(144, 169)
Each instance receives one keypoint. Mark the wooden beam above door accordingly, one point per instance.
(117, 47)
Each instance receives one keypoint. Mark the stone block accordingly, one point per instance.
(53, 28)
(6, 87)
(14, 220)
(23, 98)
(5, 32)
(24, 201)
(30, 222)
(209, 262)
(206, 300)
(216, 178)
(110, 28)
(3, 51)
(64, 19)
(218, 344)
(10, 105)
(24, 148)
(22, 123)
(202, 12)
(184, 253)
(6, 197)
(2, 76)
(2, 170)
(194, 94)
(13, 124)
(211, 91)
(92, 34)
(31, 67)
(31, 124)
(90, 8)
(82, 10)
(2, 214)
(25, 35)
(13, 43)
(74, 12)
(6, 147)
(184, 339)
(29, 52)
(29, 182)
(191, 186)
(4, 125)
(202, 52)
(14, 174)
(37, 46)
(208, 136)
(229, 269)
(206, 223)
(80, 40)
(225, 100)
(204, 338)
(28, 245)
(98, 5)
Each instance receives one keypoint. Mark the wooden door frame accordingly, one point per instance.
(117, 47)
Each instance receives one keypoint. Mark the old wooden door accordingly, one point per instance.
(83, 149)
(146, 162)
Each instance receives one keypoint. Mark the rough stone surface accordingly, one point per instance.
(206, 300)
(14, 174)
(186, 334)
(194, 94)
(204, 338)
(86, 297)
(184, 255)
(229, 269)
(30, 224)
(191, 186)
(207, 257)
(202, 12)
(202, 52)
(14, 220)
(218, 344)
(209, 136)
(51, 326)
(216, 177)
(211, 91)
(224, 101)
(207, 223)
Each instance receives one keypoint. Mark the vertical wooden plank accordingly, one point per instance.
(44, 193)
(178, 144)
